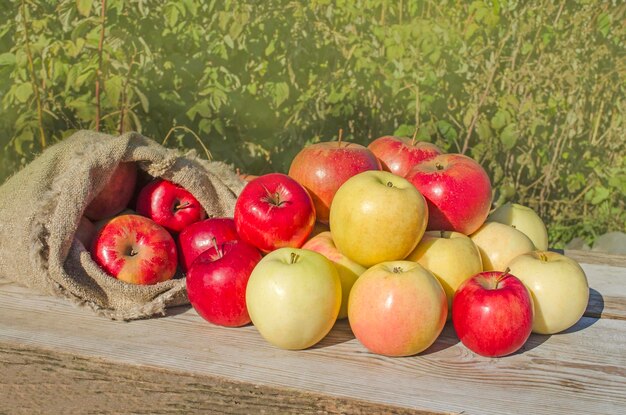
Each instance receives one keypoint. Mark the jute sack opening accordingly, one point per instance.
(41, 207)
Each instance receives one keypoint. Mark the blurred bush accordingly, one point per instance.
(532, 90)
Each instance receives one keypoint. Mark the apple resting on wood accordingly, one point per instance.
(397, 308)
(492, 313)
(217, 281)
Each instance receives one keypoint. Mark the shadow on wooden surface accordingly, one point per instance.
(595, 306)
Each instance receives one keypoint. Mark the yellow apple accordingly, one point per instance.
(558, 287)
(293, 297)
(451, 256)
(499, 244)
(348, 270)
(377, 216)
(523, 219)
(397, 308)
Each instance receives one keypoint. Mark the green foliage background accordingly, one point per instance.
(533, 90)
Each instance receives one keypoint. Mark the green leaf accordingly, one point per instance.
(604, 24)
(145, 104)
(84, 7)
(600, 194)
(500, 119)
(23, 91)
(113, 89)
(26, 136)
(229, 41)
(281, 93)
(404, 130)
(509, 136)
(7, 59)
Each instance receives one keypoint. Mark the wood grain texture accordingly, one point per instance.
(40, 381)
(592, 257)
(607, 291)
(580, 371)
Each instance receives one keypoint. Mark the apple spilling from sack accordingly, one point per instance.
(397, 237)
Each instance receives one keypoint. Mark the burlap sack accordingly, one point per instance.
(41, 206)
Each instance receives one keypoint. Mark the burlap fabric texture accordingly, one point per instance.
(41, 207)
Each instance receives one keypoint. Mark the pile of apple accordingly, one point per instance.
(397, 237)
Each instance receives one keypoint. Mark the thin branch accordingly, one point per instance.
(187, 129)
(99, 82)
(33, 77)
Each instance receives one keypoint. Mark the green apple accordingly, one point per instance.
(499, 244)
(348, 270)
(451, 256)
(397, 308)
(558, 287)
(377, 216)
(293, 297)
(523, 219)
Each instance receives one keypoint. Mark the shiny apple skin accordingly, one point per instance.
(198, 237)
(169, 205)
(274, 211)
(217, 281)
(323, 167)
(492, 313)
(115, 195)
(348, 270)
(136, 250)
(397, 308)
(457, 190)
(376, 217)
(399, 155)
(558, 286)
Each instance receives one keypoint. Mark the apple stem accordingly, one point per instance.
(217, 248)
(503, 276)
(294, 258)
(182, 205)
(439, 166)
(340, 137)
(414, 137)
(543, 257)
(133, 252)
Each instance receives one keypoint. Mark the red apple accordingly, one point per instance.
(136, 250)
(169, 205)
(198, 237)
(323, 167)
(115, 195)
(457, 190)
(492, 313)
(274, 211)
(398, 155)
(217, 281)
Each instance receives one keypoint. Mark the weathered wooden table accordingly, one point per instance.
(56, 358)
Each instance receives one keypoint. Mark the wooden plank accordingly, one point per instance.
(580, 371)
(607, 291)
(593, 257)
(40, 381)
